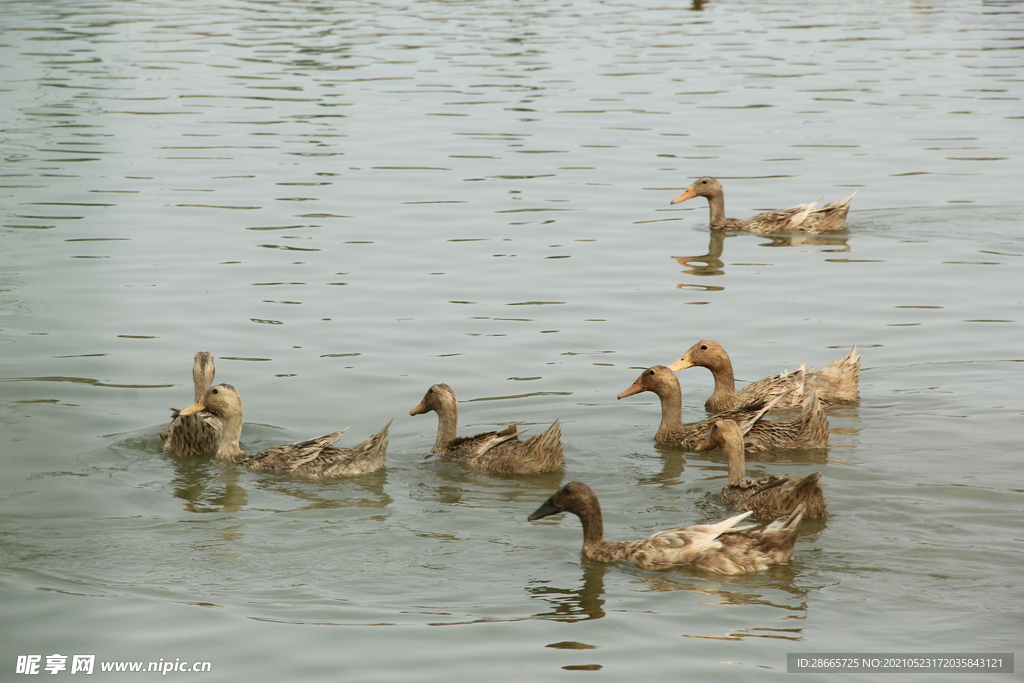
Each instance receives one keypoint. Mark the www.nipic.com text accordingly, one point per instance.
(86, 664)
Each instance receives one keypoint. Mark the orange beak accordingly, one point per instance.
(680, 364)
(633, 388)
(192, 409)
(689, 194)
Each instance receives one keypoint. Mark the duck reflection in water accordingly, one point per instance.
(575, 604)
(775, 589)
(839, 243)
(710, 264)
(204, 485)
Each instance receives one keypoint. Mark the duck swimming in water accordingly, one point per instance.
(497, 452)
(802, 218)
(222, 408)
(809, 430)
(190, 435)
(835, 383)
(769, 497)
(723, 547)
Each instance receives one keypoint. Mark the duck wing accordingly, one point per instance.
(540, 453)
(683, 545)
(466, 447)
(291, 456)
(781, 220)
(364, 457)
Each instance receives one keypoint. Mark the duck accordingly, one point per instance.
(724, 548)
(221, 406)
(496, 452)
(801, 218)
(191, 435)
(809, 430)
(835, 383)
(771, 496)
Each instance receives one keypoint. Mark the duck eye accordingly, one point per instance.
(703, 347)
(215, 391)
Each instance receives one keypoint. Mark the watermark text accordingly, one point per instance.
(87, 664)
(885, 662)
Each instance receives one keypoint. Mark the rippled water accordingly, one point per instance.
(348, 202)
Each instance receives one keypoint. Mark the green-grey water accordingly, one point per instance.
(346, 202)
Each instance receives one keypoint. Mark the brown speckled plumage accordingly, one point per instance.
(802, 218)
(723, 547)
(771, 496)
(314, 458)
(190, 435)
(809, 430)
(497, 452)
(835, 383)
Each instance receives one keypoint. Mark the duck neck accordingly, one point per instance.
(447, 426)
(593, 527)
(671, 410)
(202, 377)
(716, 203)
(737, 464)
(228, 447)
(725, 383)
(200, 387)
(594, 545)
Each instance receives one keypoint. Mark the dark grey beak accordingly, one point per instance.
(548, 508)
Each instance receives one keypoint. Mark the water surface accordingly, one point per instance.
(348, 202)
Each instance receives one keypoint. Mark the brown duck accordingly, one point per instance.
(769, 497)
(723, 547)
(809, 430)
(221, 407)
(497, 452)
(190, 435)
(835, 383)
(802, 218)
